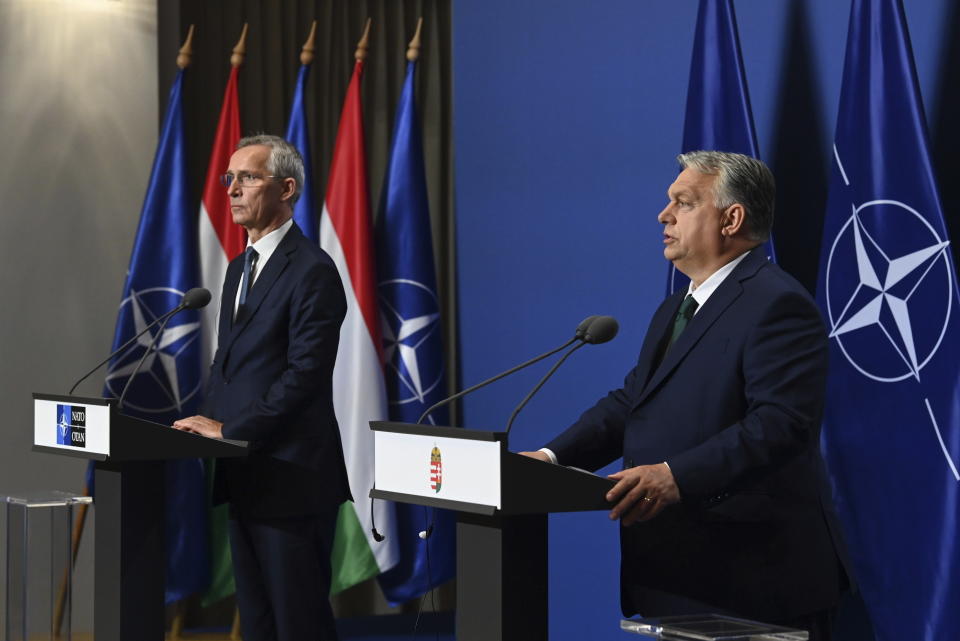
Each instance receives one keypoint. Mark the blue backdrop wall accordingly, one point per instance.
(568, 115)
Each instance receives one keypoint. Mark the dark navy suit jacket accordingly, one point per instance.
(271, 384)
(734, 408)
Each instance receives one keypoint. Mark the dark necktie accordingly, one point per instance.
(249, 260)
(684, 314)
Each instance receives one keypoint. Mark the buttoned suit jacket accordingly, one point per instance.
(271, 384)
(734, 408)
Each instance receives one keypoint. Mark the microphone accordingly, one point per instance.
(194, 299)
(579, 335)
(600, 330)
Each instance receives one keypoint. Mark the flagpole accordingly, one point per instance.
(364, 44)
(185, 55)
(413, 49)
(240, 50)
(306, 54)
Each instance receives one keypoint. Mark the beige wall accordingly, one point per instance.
(78, 125)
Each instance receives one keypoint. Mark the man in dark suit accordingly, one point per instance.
(271, 385)
(719, 422)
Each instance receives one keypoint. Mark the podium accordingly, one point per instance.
(128, 455)
(502, 500)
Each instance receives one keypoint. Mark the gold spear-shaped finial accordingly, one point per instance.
(186, 51)
(306, 54)
(241, 49)
(364, 44)
(413, 49)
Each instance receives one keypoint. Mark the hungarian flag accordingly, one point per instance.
(358, 387)
(220, 241)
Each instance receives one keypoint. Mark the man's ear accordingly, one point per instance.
(733, 220)
(289, 188)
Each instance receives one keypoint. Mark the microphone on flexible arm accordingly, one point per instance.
(593, 330)
(600, 330)
(194, 299)
(579, 334)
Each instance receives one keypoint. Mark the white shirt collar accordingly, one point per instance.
(710, 285)
(267, 245)
(265, 248)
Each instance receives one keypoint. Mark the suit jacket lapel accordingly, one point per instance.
(274, 267)
(716, 305)
(660, 327)
(229, 296)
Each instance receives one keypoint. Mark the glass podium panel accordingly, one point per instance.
(39, 567)
(710, 627)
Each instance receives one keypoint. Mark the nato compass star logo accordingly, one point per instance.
(408, 338)
(889, 301)
(158, 387)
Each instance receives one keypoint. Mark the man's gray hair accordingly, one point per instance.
(284, 161)
(740, 179)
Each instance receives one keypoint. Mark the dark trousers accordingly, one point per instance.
(282, 570)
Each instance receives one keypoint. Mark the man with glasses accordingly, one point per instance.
(271, 385)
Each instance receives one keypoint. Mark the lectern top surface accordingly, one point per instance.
(45, 498)
(710, 627)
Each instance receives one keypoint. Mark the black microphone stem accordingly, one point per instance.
(494, 379)
(156, 338)
(168, 315)
(536, 389)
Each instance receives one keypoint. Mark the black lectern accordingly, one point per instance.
(502, 500)
(129, 485)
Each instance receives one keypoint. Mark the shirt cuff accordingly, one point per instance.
(550, 454)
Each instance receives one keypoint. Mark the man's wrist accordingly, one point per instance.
(550, 454)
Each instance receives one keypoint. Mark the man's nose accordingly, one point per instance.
(665, 216)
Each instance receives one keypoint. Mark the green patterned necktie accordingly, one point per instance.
(684, 314)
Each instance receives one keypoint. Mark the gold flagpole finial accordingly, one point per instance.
(236, 59)
(413, 49)
(364, 44)
(306, 54)
(186, 51)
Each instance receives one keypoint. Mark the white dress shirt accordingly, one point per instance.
(264, 248)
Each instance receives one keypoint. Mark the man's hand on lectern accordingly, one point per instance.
(200, 425)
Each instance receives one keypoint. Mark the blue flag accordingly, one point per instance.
(887, 288)
(718, 114)
(165, 264)
(413, 345)
(304, 213)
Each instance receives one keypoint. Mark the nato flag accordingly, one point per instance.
(304, 212)
(164, 265)
(413, 346)
(887, 288)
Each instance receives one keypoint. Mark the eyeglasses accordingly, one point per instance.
(245, 179)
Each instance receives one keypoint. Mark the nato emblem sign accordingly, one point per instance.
(436, 469)
(72, 425)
